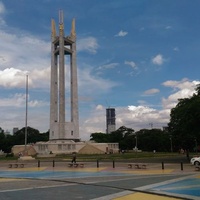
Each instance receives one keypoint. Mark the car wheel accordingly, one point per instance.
(196, 163)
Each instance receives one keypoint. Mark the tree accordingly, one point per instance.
(99, 137)
(153, 139)
(33, 135)
(184, 125)
(123, 136)
(7, 141)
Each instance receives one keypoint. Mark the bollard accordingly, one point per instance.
(113, 164)
(163, 165)
(181, 166)
(53, 163)
(38, 163)
(97, 163)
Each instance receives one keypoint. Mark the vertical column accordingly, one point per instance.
(61, 78)
(53, 85)
(74, 85)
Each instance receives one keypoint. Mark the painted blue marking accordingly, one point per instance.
(54, 174)
(189, 187)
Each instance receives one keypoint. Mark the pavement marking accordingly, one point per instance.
(168, 171)
(9, 179)
(159, 188)
(39, 187)
(29, 169)
(181, 187)
(94, 169)
(143, 196)
(163, 183)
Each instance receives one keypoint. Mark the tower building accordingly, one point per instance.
(63, 47)
(110, 120)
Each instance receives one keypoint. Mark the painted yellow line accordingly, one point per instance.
(142, 196)
(84, 169)
(29, 169)
(9, 179)
(149, 171)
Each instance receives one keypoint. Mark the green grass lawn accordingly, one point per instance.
(120, 156)
(128, 156)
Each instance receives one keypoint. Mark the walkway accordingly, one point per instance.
(103, 183)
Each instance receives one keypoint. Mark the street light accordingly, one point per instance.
(136, 142)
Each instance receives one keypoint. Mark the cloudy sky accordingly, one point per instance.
(138, 56)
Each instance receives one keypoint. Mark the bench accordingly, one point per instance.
(16, 165)
(137, 166)
(76, 165)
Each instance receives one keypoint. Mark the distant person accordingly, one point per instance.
(20, 154)
(74, 158)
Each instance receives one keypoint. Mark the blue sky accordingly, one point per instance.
(138, 56)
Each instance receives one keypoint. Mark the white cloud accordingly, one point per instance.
(91, 84)
(158, 59)
(151, 91)
(24, 52)
(181, 89)
(182, 84)
(139, 117)
(99, 107)
(130, 63)
(176, 49)
(121, 34)
(11, 77)
(88, 44)
(40, 78)
(16, 78)
(17, 100)
(108, 66)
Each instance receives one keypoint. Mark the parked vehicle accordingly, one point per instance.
(195, 160)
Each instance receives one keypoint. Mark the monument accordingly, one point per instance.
(64, 136)
(63, 46)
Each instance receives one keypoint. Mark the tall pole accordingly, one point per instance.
(26, 114)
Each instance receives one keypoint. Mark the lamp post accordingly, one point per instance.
(136, 142)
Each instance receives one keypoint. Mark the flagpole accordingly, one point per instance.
(26, 117)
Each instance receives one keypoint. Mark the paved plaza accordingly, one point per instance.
(99, 183)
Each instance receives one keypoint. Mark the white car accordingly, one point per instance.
(195, 160)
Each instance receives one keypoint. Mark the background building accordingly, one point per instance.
(110, 120)
(15, 129)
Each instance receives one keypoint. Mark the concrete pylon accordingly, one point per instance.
(62, 46)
